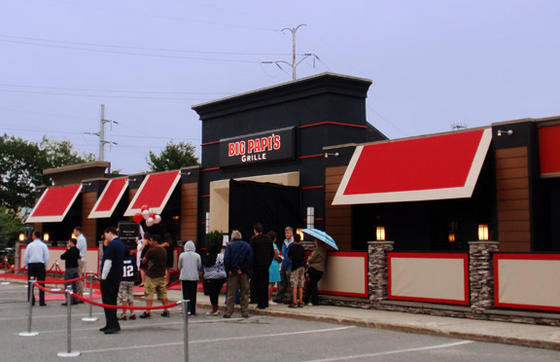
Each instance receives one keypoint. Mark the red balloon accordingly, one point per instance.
(138, 217)
(144, 207)
(153, 215)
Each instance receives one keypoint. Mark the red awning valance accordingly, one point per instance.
(549, 151)
(54, 204)
(154, 192)
(109, 199)
(426, 168)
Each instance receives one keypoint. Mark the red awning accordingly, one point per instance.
(54, 203)
(154, 192)
(549, 151)
(425, 168)
(109, 198)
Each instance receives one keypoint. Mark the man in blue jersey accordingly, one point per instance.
(126, 297)
(111, 275)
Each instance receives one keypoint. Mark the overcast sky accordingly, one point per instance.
(433, 63)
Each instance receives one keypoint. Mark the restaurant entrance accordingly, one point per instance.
(274, 206)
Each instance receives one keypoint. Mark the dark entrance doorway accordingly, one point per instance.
(275, 206)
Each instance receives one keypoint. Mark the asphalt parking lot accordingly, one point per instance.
(258, 338)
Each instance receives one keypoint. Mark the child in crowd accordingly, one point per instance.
(189, 264)
(126, 297)
(296, 252)
(70, 257)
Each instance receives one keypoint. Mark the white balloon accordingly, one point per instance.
(157, 219)
(149, 222)
(146, 214)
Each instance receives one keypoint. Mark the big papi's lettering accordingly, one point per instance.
(254, 145)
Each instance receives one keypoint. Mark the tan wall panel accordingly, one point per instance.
(513, 205)
(529, 282)
(515, 194)
(514, 236)
(89, 226)
(509, 163)
(336, 277)
(513, 183)
(428, 278)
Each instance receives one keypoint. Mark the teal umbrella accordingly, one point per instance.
(323, 236)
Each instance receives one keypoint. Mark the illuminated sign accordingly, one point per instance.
(258, 147)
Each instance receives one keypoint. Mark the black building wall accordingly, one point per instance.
(326, 109)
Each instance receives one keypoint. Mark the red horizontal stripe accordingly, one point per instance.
(209, 143)
(209, 169)
(205, 196)
(312, 187)
(333, 124)
(311, 156)
(316, 219)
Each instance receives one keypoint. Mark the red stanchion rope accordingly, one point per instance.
(173, 283)
(61, 281)
(48, 290)
(109, 306)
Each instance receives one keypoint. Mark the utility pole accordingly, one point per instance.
(293, 64)
(101, 133)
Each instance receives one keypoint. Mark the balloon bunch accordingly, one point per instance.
(145, 214)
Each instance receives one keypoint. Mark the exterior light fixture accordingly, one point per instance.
(380, 233)
(483, 232)
(46, 237)
(300, 233)
(451, 237)
(502, 132)
(310, 217)
(21, 237)
(176, 217)
(207, 222)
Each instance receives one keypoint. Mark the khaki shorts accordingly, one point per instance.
(297, 279)
(155, 285)
(125, 292)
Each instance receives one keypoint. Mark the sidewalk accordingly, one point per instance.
(479, 330)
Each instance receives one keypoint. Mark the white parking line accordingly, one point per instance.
(366, 355)
(133, 326)
(217, 340)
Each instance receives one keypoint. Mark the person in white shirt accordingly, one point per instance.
(36, 260)
(81, 244)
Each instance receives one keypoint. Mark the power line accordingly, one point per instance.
(114, 135)
(169, 50)
(130, 53)
(102, 95)
(109, 90)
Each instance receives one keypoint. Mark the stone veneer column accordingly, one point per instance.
(377, 275)
(481, 274)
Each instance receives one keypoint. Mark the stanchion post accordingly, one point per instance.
(68, 352)
(5, 282)
(185, 304)
(31, 295)
(90, 318)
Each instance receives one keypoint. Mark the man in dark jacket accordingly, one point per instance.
(238, 262)
(71, 257)
(263, 252)
(111, 275)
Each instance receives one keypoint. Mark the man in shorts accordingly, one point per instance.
(296, 252)
(155, 260)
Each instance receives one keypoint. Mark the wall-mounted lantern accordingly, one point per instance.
(451, 237)
(380, 233)
(21, 237)
(482, 231)
(46, 237)
(310, 217)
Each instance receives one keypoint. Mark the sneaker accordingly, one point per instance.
(165, 313)
(272, 302)
(213, 313)
(292, 305)
(132, 317)
(300, 305)
(227, 315)
(145, 315)
(122, 317)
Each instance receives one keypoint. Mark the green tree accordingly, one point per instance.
(22, 163)
(10, 226)
(172, 157)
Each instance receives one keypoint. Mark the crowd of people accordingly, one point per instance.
(250, 270)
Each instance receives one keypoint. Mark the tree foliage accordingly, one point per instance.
(172, 157)
(10, 226)
(22, 163)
